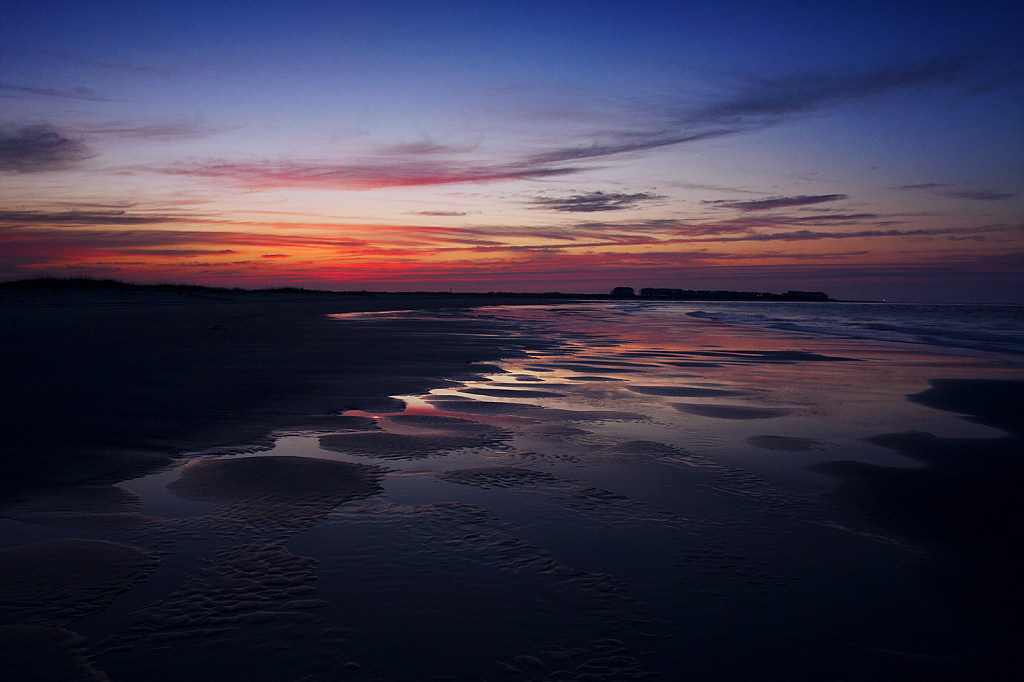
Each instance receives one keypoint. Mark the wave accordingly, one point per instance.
(986, 328)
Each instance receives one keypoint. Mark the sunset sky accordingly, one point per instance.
(870, 150)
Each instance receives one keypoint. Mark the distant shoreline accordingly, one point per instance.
(82, 284)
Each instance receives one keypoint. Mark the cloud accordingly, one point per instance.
(87, 218)
(762, 229)
(103, 64)
(973, 195)
(753, 103)
(40, 248)
(627, 142)
(591, 202)
(783, 221)
(34, 149)
(77, 93)
(995, 82)
(186, 253)
(764, 99)
(244, 251)
(925, 185)
(761, 102)
(979, 195)
(167, 130)
(713, 188)
(698, 234)
(427, 146)
(777, 202)
(440, 214)
(808, 235)
(360, 176)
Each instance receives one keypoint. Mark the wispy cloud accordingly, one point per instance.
(158, 130)
(57, 241)
(764, 99)
(786, 220)
(760, 229)
(979, 195)
(439, 214)
(752, 104)
(360, 176)
(713, 188)
(626, 142)
(34, 149)
(810, 235)
(427, 146)
(590, 202)
(397, 253)
(107, 64)
(78, 93)
(971, 195)
(761, 102)
(995, 82)
(182, 253)
(89, 218)
(925, 185)
(777, 202)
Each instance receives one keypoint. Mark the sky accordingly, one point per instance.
(868, 150)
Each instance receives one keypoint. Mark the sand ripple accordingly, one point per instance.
(274, 490)
(786, 443)
(441, 435)
(39, 653)
(249, 584)
(731, 411)
(484, 407)
(54, 582)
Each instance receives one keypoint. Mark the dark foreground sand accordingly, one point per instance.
(101, 386)
(47, 585)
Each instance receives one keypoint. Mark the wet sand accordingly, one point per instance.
(964, 506)
(229, 489)
(101, 386)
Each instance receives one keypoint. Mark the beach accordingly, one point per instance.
(308, 486)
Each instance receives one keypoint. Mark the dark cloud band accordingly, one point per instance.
(777, 202)
(33, 149)
(979, 195)
(78, 93)
(591, 202)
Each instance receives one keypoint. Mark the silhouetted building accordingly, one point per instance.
(622, 291)
(806, 295)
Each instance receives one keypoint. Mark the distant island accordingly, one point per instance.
(720, 295)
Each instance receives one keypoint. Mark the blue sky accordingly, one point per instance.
(869, 150)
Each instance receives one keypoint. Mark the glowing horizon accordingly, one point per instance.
(867, 152)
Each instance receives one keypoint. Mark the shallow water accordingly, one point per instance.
(635, 503)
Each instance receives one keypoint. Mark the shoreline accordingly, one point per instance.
(81, 285)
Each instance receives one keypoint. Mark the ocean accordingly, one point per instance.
(995, 329)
